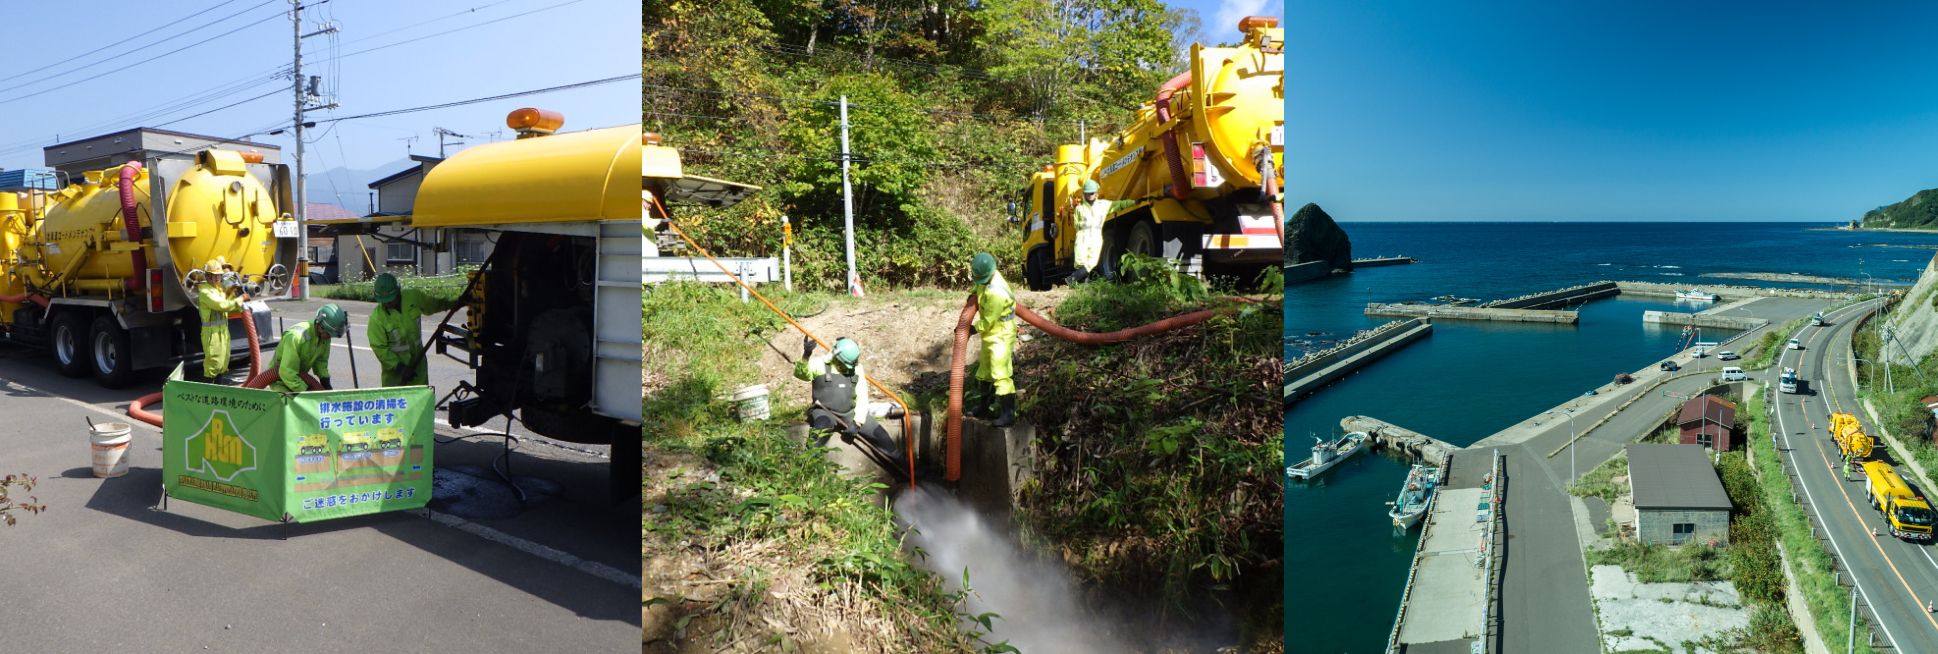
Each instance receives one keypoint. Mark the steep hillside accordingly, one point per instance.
(1914, 322)
(1920, 211)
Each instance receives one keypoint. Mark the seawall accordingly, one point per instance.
(1312, 372)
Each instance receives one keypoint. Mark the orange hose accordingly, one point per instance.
(957, 376)
(952, 449)
(19, 298)
(258, 378)
(908, 431)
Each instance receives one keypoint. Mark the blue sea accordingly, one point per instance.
(1345, 566)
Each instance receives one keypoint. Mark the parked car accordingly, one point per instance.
(1669, 366)
(1623, 378)
(1727, 355)
(1794, 345)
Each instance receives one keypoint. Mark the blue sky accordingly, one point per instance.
(1610, 110)
(1218, 19)
(558, 42)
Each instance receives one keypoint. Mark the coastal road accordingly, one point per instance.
(1546, 605)
(558, 573)
(1895, 577)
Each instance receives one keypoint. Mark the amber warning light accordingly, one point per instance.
(1247, 23)
(531, 121)
(252, 157)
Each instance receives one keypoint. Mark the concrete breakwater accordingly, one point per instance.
(1471, 313)
(1565, 296)
(1305, 272)
(1386, 435)
(1726, 292)
(1375, 262)
(1742, 323)
(1315, 370)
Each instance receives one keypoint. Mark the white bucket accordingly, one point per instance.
(751, 402)
(109, 441)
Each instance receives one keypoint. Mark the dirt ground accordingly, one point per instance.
(902, 336)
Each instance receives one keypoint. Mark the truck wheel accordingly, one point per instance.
(1036, 268)
(113, 362)
(1143, 239)
(69, 344)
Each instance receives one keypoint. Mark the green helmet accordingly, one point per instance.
(847, 351)
(1090, 186)
(387, 288)
(332, 320)
(982, 267)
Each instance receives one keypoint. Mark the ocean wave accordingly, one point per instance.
(1604, 264)
(1668, 266)
(1668, 274)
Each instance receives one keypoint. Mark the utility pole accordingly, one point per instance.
(848, 203)
(1850, 639)
(1571, 446)
(302, 99)
(441, 133)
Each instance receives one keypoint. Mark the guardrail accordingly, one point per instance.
(1399, 616)
(1491, 575)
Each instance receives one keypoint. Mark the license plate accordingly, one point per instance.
(286, 229)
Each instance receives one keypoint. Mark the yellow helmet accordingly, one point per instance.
(217, 265)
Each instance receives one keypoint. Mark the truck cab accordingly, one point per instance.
(1787, 382)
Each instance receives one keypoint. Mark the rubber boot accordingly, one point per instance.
(985, 394)
(1008, 416)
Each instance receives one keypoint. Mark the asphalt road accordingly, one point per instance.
(1896, 577)
(1546, 605)
(102, 570)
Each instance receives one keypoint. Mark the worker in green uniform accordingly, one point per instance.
(996, 321)
(305, 348)
(216, 296)
(394, 335)
(1089, 246)
(840, 399)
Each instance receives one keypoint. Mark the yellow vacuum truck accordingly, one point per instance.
(1908, 515)
(1195, 178)
(553, 323)
(100, 271)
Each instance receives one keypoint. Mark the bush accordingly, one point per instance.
(442, 287)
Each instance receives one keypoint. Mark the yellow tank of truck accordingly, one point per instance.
(80, 245)
(1907, 514)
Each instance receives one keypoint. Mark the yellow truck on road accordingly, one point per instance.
(1849, 435)
(1909, 516)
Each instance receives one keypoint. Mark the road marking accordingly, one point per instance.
(547, 553)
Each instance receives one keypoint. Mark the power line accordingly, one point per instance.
(139, 49)
(226, 106)
(144, 61)
(562, 87)
(472, 10)
(456, 29)
(110, 45)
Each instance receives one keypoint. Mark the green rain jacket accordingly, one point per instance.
(996, 322)
(395, 336)
(300, 351)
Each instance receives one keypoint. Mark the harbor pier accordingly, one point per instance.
(1312, 372)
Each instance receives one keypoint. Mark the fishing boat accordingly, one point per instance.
(1326, 454)
(1415, 497)
(1695, 296)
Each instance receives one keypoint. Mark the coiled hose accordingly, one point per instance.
(258, 378)
(957, 364)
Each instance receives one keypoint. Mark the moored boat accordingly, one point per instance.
(1695, 295)
(1326, 454)
(1415, 497)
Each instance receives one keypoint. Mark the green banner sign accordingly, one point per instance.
(303, 457)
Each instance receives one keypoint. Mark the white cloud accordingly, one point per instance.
(1231, 11)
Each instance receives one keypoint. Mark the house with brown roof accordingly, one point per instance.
(1708, 421)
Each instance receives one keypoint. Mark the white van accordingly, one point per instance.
(1702, 349)
(1733, 373)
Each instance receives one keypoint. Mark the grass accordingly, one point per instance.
(1772, 343)
(1829, 601)
(1661, 563)
(443, 287)
(1600, 481)
(771, 493)
(1160, 461)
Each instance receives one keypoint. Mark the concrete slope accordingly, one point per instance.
(1915, 322)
